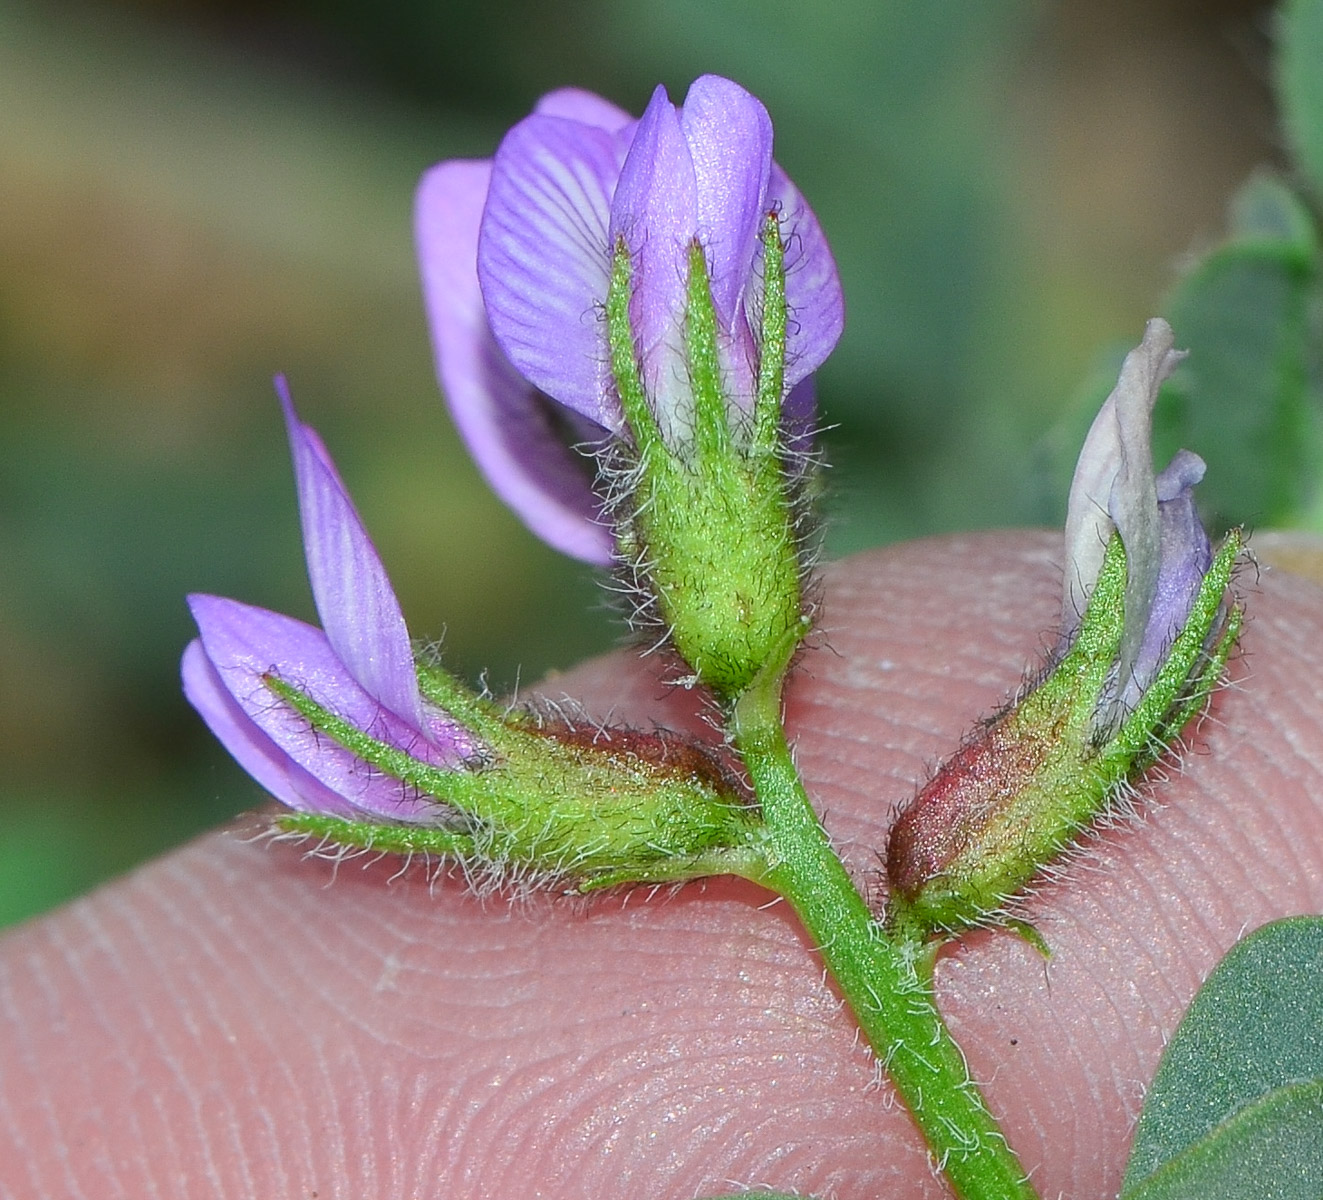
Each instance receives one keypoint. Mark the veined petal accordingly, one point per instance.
(814, 297)
(1114, 488)
(544, 260)
(503, 419)
(247, 644)
(655, 211)
(1184, 558)
(252, 749)
(588, 108)
(354, 598)
(729, 136)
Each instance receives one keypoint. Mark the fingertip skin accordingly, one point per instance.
(237, 1020)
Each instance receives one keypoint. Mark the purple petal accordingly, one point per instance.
(655, 210)
(354, 598)
(799, 417)
(256, 753)
(504, 420)
(813, 285)
(588, 108)
(1113, 488)
(544, 262)
(245, 644)
(729, 136)
(1184, 558)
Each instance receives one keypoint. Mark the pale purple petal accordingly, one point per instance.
(1185, 556)
(799, 419)
(245, 644)
(503, 419)
(729, 136)
(354, 598)
(544, 262)
(655, 210)
(588, 108)
(1113, 489)
(814, 297)
(256, 753)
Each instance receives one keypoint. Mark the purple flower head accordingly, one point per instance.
(1115, 489)
(359, 667)
(517, 257)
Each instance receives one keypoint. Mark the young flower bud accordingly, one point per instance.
(1128, 675)
(371, 749)
(665, 284)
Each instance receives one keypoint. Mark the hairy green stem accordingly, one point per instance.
(886, 977)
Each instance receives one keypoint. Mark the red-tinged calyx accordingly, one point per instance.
(1021, 791)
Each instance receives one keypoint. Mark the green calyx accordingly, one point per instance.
(590, 807)
(711, 519)
(1021, 793)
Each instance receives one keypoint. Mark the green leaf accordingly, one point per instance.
(1236, 1108)
(1242, 399)
(1271, 1148)
(1300, 84)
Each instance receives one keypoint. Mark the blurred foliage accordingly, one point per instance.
(1243, 396)
(200, 193)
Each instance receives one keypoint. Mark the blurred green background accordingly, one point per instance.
(195, 194)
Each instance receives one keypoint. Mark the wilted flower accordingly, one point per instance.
(1115, 490)
(369, 747)
(1146, 631)
(659, 292)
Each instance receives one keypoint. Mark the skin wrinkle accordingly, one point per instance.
(189, 1046)
(215, 1030)
(49, 1129)
(317, 1146)
(252, 1064)
(112, 1161)
(430, 1076)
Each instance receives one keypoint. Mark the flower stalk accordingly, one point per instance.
(885, 975)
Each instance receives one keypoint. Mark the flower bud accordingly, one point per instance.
(1130, 673)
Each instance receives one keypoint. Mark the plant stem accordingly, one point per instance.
(885, 977)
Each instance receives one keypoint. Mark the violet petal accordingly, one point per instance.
(544, 262)
(503, 419)
(729, 136)
(655, 211)
(354, 598)
(252, 749)
(588, 108)
(1184, 558)
(245, 644)
(814, 297)
(799, 420)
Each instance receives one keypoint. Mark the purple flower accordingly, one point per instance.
(517, 256)
(1115, 489)
(359, 668)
